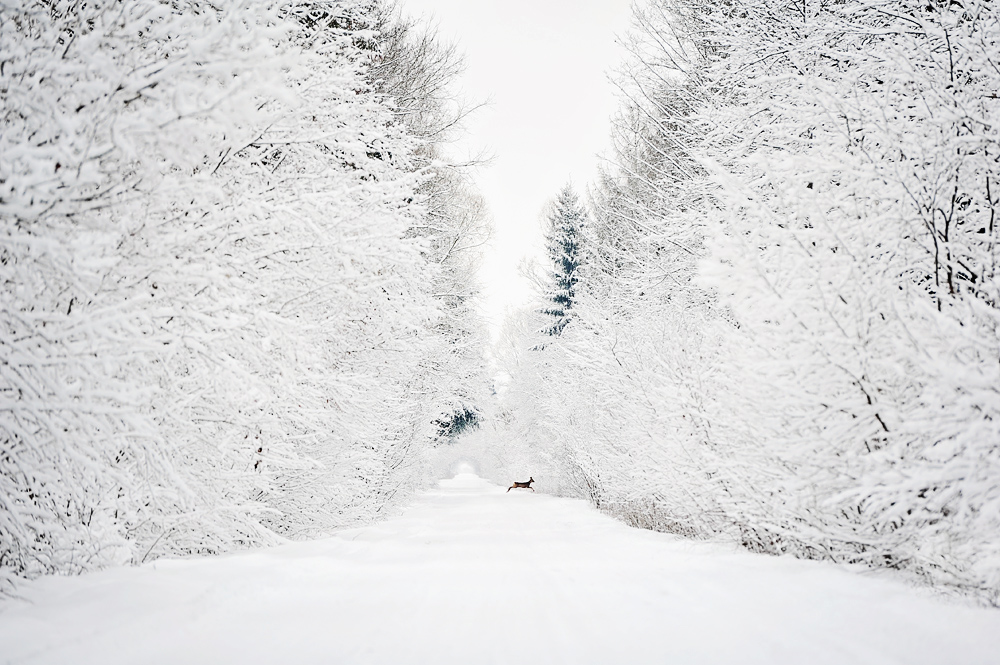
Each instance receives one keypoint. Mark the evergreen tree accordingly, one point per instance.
(564, 243)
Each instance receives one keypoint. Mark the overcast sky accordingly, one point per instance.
(544, 65)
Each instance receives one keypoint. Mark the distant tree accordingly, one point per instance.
(564, 243)
(462, 420)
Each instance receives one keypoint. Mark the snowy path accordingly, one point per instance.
(471, 574)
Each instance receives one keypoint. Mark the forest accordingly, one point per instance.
(237, 275)
(775, 319)
(239, 300)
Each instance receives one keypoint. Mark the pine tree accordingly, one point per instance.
(564, 243)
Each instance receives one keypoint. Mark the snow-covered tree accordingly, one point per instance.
(787, 333)
(218, 325)
(565, 222)
(861, 191)
(413, 73)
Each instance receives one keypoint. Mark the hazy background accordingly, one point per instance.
(543, 66)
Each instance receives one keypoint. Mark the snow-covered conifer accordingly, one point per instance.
(564, 234)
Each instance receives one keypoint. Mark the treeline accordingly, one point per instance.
(236, 274)
(785, 327)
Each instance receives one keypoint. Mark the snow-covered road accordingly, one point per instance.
(472, 574)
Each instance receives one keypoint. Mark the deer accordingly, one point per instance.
(526, 485)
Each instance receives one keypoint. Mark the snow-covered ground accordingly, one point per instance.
(472, 574)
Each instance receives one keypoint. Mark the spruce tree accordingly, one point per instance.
(564, 243)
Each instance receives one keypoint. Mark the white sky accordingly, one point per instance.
(544, 65)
